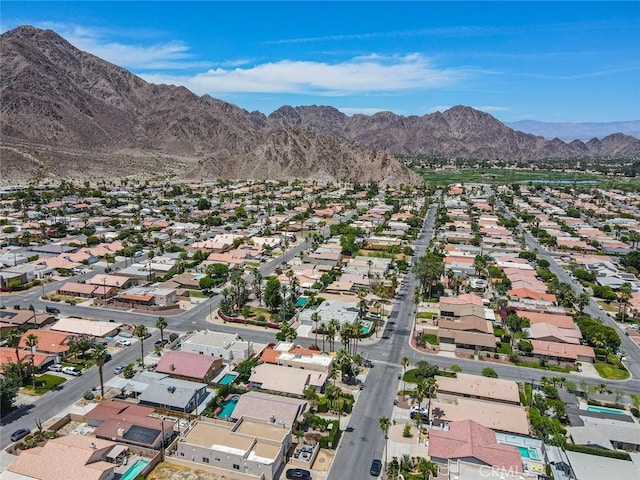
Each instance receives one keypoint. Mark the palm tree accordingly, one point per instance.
(405, 363)
(420, 392)
(161, 324)
(99, 354)
(32, 342)
(582, 301)
(315, 318)
(427, 467)
(385, 424)
(334, 327)
(13, 340)
(141, 331)
(431, 390)
(333, 374)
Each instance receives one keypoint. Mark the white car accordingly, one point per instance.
(123, 342)
(71, 371)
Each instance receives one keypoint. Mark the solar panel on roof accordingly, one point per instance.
(140, 434)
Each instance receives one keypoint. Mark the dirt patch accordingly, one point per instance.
(168, 471)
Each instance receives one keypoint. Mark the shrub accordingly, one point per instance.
(406, 432)
(597, 451)
(635, 412)
(88, 395)
(489, 372)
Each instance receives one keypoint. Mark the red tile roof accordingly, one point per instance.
(185, 364)
(466, 439)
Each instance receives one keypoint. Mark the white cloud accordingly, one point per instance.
(100, 42)
(370, 74)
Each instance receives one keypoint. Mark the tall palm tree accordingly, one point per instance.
(315, 318)
(13, 340)
(333, 374)
(420, 392)
(431, 390)
(334, 326)
(405, 363)
(99, 354)
(324, 334)
(32, 342)
(385, 424)
(161, 324)
(141, 331)
(427, 467)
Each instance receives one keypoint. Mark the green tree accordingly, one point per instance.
(13, 341)
(99, 355)
(32, 342)
(428, 269)
(161, 324)
(430, 390)
(315, 318)
(624, 295)
(489, 372)
(141, 332)
(405, 362)
(385, 424)
(272, 296)
(582, 301)
(10, 383)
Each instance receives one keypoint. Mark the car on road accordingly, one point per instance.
(71, 371)
(376, 467)
(53, 310)
(123, 342)
(18, 434)
(600, 307)
(118, 369)
(107, 357)
(56, 367)
(160, 343)
(298, 474)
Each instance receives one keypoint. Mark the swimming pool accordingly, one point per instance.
(135, 469)
(227, 379)
(198, 276)
(228, 407)
(301, 302)
(527, 452)
(605, 410)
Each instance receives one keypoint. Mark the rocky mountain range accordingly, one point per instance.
(568, 131)
(69, 114)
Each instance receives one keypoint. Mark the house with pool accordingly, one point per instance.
(189, 366)
(251, 447)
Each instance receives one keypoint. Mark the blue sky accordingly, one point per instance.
(556, 61)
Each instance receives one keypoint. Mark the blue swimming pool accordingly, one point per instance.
(198, 276)
(301, 302)
(605, 410)
(228, 407)
(527, 452)
(135, 469)
(227, 379)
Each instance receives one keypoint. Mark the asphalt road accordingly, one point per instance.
(363, 440)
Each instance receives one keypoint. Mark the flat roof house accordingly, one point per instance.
(475, 386)
(251, 447)
(289, 380)
(227, 346)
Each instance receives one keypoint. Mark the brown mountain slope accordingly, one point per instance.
(90, 118)
(457, 132)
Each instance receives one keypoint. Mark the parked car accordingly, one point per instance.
(71, 371)
(18, 434)
(53, 310)
(56, 367)
(107, 357)
(376, 467)
(118, 369)
(123, 342)
(124, 334)
(298, 474)
(160, 343)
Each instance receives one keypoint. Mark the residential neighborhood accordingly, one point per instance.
(255, 329)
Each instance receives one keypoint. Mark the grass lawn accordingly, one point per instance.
(255, 311)
(504, 348)
(427, 315)
(551, 368)
(612, 372)
(498, 331)
(197, 294)
(46, 382)
(432, 339)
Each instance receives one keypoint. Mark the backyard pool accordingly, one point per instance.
(198, 276)
(135, 469)
(227, 379)
(527, 452)
(605, 410)
(366, 327)
(301, 302)
(228, 407)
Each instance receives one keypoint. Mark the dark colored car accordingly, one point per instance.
(53, 310)
(298, 474)
(18, 434)
(376, 467)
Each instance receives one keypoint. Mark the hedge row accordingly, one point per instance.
(601, 452)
